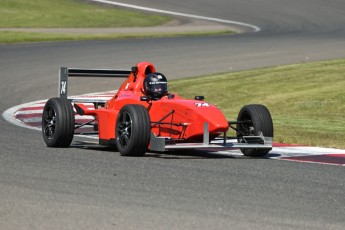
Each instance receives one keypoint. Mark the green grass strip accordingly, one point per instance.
(307, 101)
(76, 14)
(9, 37)
(70, 14)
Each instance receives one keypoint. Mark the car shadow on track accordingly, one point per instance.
(188, 154)
(180, 154)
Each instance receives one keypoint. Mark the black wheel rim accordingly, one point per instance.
(49, 122)
(124, 129)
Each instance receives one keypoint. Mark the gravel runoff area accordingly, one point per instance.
(174, 26)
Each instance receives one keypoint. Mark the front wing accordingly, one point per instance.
(161, 144)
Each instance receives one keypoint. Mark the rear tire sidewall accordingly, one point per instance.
(64, 123)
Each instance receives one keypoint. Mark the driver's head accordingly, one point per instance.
(155, 85)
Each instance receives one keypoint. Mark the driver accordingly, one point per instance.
(155, 85)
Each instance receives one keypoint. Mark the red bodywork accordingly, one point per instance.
(184, 119)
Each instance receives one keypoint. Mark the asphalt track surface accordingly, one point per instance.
(96, 188)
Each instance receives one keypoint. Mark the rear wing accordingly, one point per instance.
(65, 73)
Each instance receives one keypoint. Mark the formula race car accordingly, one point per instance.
(143, 116)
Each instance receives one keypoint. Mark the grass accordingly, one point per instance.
(70, 14)
(8, 37)
(75, 14)
(306, 101)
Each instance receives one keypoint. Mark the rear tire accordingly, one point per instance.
(259, 120)
(133, 129)
(58, 123)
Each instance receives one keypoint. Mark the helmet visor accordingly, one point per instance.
(159, 88)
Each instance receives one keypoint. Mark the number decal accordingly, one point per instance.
(202, 104)
(63, 87)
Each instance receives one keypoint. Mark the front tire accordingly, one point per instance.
(254, 119)
(133, 130)
(58, 123)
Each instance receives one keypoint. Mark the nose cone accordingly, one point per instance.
(191, 115)
(212, 115)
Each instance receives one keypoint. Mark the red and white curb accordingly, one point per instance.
(28, 115)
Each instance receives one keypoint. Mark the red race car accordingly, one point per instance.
(143, 115)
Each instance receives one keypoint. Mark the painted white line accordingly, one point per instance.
(31, 120)
(253, 27)
(28, 112)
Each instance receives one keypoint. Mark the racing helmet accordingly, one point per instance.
(155, 85)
